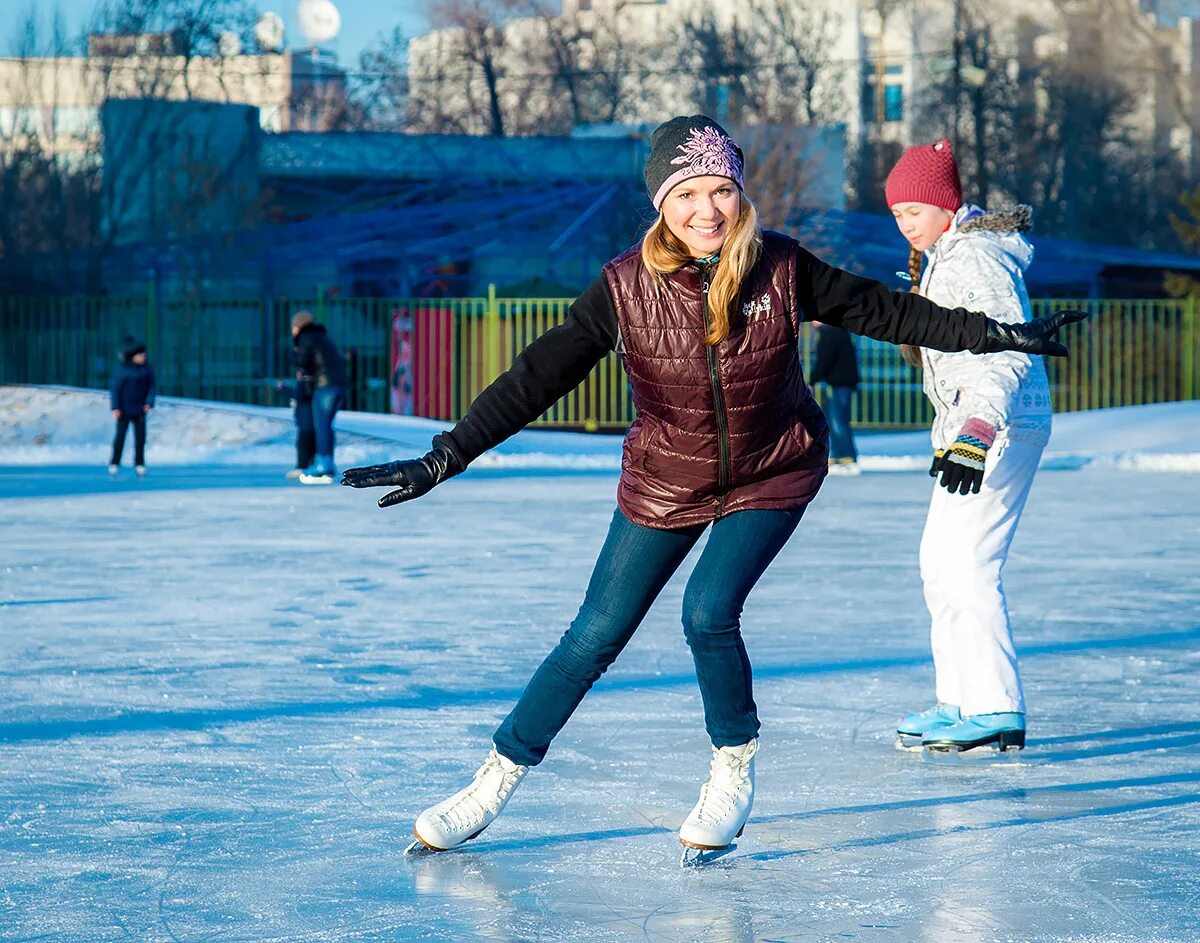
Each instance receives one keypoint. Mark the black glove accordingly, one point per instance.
(1032, 337)
(412, 478)
(938, 456)
(962, 465)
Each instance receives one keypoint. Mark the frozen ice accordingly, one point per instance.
(227, 697)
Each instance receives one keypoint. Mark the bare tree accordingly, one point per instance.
(796, 70)
(585, 67)
(438, 101)
(477, 42)
(47, 192)
(379, 99)
(54, 172)
(974, 99)
(768, 70)
(781, 169)
(716, 61)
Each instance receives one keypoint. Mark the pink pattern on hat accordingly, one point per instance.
(706, 151)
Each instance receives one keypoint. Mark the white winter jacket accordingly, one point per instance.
(979, 264)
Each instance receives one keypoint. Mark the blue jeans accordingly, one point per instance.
(306, 435)
(326, 401)
(837, 409)
(634, 565)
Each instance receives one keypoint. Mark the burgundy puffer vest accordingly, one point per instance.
(718, 429)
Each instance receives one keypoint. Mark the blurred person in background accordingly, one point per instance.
(321, 373)
(835, 363)
(131, 397)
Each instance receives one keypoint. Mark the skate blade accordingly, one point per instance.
(419, 848)
(699, 857)
(990, 755)
(908, 744)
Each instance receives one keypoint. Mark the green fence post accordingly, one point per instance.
(1191, 340)
(491, 321)
(151, 319)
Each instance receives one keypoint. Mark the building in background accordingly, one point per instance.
(890, 71)
(59, 99)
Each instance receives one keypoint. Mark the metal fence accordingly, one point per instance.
(1130, 352)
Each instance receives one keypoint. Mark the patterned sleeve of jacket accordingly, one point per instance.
(980, 279)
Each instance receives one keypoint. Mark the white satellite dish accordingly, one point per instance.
(229, 44)
(268, 32)
(319, 20)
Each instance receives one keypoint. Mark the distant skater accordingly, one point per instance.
(131, 397)
(321, 377)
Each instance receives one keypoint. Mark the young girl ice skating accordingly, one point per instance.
(705, 312)
(992, 420)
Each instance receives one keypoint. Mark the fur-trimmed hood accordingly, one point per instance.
(1002, 229)
(1017, 218)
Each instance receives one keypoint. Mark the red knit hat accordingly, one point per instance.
(926, 173)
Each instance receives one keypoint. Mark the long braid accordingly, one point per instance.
(911, 353)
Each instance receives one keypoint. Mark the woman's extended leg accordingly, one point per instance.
(739, 550)
(634, 565)
(631, 570)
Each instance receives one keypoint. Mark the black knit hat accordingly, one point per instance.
(686, 147)
(130, 347)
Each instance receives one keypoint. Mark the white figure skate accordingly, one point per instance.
(469, 811)
(725, 802)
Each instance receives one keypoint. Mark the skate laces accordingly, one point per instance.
(728, 775)
(468, 809)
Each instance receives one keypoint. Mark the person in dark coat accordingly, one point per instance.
(300, 396)
(321, 383)
(836, 363)
(706, 312)
(131, 397)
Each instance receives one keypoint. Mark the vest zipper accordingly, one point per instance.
(718, 399)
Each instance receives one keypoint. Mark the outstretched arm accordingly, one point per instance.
(554, 364)
(865, 306)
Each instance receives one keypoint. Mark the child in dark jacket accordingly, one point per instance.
(131, 397)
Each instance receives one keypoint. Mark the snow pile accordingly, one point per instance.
(67, 426)
(1158, 437)
(63, 426)
(60, 425)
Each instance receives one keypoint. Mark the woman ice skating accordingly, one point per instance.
(992, 420)
(705, 312)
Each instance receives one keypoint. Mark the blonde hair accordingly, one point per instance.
(664, 254)
(910, 352)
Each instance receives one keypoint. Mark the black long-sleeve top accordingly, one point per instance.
(559, 360)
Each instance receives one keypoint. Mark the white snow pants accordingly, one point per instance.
(963, 551)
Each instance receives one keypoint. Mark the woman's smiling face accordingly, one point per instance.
(701, 211)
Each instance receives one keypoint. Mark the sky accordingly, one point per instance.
(362, 20)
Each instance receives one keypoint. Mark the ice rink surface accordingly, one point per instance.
(226, 699)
